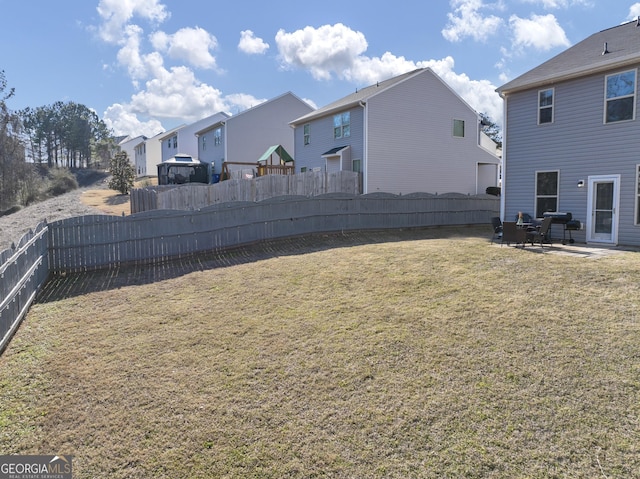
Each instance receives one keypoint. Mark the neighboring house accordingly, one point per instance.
(246, 136)
(128, 145)
(148, 156)
(182, 140)
(411, 133)
(571, 138)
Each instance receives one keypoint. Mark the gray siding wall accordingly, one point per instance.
(322, 140)
(212, 153)
(250, 133)
(411, 147)
(577, 144)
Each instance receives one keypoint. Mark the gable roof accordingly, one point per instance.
(584, 58)
(353, 99)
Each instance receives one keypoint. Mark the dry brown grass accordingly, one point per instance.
(437, 356)
(112, 202)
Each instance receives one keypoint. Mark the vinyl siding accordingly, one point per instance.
(411, 147)
(322, 140)
(578, 144)
(212, 154)
(250, 133)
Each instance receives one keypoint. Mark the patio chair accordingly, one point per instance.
(541, 235)
(496, 224)
(512, 234)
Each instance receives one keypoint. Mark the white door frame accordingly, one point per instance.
(592, 235)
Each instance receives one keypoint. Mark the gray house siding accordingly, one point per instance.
(209, 152)
(250, 133)
(578, 144)
(322, 140)
(411, 146)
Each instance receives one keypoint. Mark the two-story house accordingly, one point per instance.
(411, 133)
(244, 137)
(182, 140)
(571, 138)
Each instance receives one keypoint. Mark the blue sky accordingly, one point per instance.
(146, 66)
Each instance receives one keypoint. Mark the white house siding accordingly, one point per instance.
(250, 133)
(322, 140)
(187, 140)
(578, 144)
(153, 155)
(411, 147)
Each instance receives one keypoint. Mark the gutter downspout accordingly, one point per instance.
(504, 155)
(365, 149)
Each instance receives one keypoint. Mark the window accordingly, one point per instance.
(545, 106)
(217, 136)
(204, 142)
(546, 192)
(637, 195)
(307, 136)
(175, 141)
(342, 125)
(357, 166)
(458, 128)
(620, 96)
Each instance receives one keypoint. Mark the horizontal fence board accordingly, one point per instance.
(156, 236)
(91, 242)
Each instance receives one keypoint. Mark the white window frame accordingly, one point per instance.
(546, 107)
(217, 136)
(342, 128)
(536, 195)
(457, 121)
(633, 95)
(306, 129)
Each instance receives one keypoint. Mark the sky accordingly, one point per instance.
(147, 66)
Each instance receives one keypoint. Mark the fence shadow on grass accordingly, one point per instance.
(77, 284)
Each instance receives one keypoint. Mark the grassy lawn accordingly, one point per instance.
(430, 355)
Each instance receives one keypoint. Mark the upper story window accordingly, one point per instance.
(545, 106)
(204, 142)
(307, 133)
(458, 128)
(174, 140)
(620, 98)
(342, 125)
(546, 192)
(217, 136)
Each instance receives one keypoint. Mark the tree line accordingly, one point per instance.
(38, 145)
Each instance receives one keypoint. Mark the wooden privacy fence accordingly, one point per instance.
(90, 242)
(194, 196)
(23, 271)
(103, 241)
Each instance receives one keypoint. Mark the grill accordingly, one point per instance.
(565, 219)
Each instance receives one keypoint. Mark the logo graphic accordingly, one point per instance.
(35, 467)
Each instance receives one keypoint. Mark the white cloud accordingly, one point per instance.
(123, 122)
(634, 11)
(116, 14)
(557, 4)
(467, 21)
(251, 44)
(337, 51)
(330, 49)
(192, 45)
(541, 32)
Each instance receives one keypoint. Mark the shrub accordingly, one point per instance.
(61, 181)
